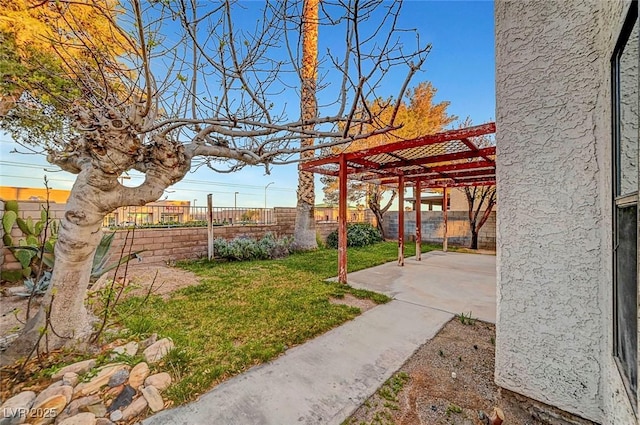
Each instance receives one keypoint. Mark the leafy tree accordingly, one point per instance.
(419, 115)
(193, 84)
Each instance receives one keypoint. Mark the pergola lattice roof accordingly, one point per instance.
(447, 159)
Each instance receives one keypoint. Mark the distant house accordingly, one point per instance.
(567, 178)
(12, 193)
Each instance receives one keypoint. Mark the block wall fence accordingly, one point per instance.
(458, 230)
(166, 245)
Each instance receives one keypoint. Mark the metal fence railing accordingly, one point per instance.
(186, 216)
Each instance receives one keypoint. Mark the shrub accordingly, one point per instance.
(244, 249)
(358, 234)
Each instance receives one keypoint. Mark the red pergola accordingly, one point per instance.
(441, 160)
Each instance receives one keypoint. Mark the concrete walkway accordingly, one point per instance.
(324, 380)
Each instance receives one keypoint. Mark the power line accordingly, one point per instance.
(190, 181)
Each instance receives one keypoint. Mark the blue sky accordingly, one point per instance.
(460, 65)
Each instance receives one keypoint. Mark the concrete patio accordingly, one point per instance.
(324, 380)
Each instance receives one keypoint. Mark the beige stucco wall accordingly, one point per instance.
(554, 323)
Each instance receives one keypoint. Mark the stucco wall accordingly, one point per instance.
(554, 333)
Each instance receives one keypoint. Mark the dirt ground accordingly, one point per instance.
(449, 380)
(159, 279)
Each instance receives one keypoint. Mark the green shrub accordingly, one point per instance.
(244, 249)
(358, 234)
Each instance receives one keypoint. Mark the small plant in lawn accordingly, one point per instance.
(453, 408)
(466, 319)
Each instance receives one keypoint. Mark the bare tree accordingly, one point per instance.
(480, 199)
(199, 84)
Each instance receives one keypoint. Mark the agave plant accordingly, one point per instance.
(36, 288)
(101, 257)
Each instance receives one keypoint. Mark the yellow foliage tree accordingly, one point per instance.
(418, 115)
(43, 45)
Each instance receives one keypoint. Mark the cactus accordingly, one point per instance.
(34, 250)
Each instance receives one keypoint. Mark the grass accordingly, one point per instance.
(246, 313)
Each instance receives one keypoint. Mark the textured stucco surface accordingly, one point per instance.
(554, 335)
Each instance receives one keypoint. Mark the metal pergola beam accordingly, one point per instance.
(458, 168)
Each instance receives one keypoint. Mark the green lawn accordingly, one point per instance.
(246, 313)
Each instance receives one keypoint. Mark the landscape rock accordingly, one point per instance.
(65, 390)
(74, 407)
(138, 374)
(118, 378)
(98, 381)
(46, 410)
(158, 350)
(153, 397)
(79, 368)
(70, 378)
(103, 421)
(160, 380)
(99, 409)
(85, 418)
(130, 349)
(123, 400)
(114, 392)
(134, 408)
(15, 409)
(148, 342)
(116, 415)
(55, 384)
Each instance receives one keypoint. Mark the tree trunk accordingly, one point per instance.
(379, 220)
(68, 321)
(305, 226)
(474, 238)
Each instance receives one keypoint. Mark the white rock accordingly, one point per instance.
(158, 350)
(116, 415)
(79, 368)
(85, 418)
(160, 380)
(153, 397)
(134, 409)
(70, 378)
(129, 349)
(14, 411)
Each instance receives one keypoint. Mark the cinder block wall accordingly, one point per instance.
(165, 245)
(458, 229)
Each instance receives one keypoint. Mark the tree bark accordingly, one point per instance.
(474, 238)
(305, 225)
(68, 322)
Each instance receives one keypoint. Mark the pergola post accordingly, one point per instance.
(418, 195)
(401, 220)
(342, 220)
(445, 203)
